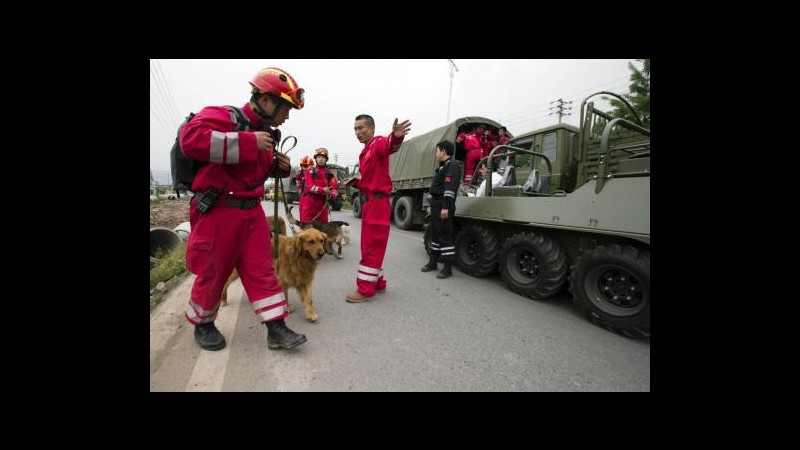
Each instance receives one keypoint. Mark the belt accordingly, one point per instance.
(243, 203)
(364, 198)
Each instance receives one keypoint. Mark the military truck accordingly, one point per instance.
(575, 206)
(290, 186)
(413, 166)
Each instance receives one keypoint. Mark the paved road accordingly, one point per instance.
(424, 334)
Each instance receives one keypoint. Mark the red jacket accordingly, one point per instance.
(373, 163)
(236, 167)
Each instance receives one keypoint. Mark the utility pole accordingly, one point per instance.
(450, 96)
(336, 158)
(561, 110)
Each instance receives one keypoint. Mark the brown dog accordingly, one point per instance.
(235, 274)
(332, 229)
(297, 264)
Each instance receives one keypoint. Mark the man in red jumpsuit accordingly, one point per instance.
(473, 150)
(229, 227)
(319, 186)
(374, 188)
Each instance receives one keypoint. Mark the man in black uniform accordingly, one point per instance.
(443, 208)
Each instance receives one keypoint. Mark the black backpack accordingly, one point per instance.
(184, 168)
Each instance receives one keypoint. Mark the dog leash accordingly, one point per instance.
(279, 184)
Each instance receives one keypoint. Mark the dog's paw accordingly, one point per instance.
(338, 256)
(312, 317)
(289, 308)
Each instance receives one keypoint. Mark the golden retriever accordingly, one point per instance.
(295, 267)
(297, 264)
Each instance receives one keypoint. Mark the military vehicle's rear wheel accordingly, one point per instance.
(533, 265)
(404, 212)
(611, 285)
(476, 250)
(357, 207)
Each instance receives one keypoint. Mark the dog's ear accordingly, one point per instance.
(298, 244)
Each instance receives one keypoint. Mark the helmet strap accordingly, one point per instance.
(260, 111)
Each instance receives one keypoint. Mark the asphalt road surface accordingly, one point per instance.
(424, 334)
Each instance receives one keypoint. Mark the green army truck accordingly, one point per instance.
(413, 166)
(574, 207)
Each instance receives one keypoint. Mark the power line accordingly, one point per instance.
(169, 92)
(160, 95)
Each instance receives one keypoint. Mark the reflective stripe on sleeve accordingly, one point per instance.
(218, 141)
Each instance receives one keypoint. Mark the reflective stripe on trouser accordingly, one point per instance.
(442, 239)
(375, 215)
(220, 240)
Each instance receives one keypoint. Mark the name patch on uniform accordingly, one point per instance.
(447, 178)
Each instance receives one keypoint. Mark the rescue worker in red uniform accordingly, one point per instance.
(229, 226)
(374, 187)
(443, 208)
(473, 151)
(305, 164)
(320, 185)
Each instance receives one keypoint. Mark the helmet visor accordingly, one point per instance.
(296, 97)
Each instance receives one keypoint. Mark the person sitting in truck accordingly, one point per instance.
(497, 178)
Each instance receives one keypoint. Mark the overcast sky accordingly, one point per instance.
(516, 93)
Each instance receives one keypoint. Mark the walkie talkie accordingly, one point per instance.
(276, 136)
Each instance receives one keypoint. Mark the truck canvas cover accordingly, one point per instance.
(417, 158)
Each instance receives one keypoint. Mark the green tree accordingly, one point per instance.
(638, 95)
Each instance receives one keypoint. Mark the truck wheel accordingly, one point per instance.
(404, 212)
(357, 207)
(532, 265)
(611, 285)
(476, 250)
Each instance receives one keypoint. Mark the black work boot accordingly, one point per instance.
(431, 263)
(446, 271)
(280, 336)
(209, 338)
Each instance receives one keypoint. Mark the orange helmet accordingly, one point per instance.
(321, 151)
(280, 84)
(306, 161)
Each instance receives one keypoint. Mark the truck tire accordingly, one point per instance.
(611, 285)
(476, 250)
(404, 212)
(357, 207)
(532, 265)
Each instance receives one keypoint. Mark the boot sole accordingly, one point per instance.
(273, 346)
(212, 348)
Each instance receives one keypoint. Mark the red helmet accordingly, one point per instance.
(280, 84)
(306, 161)
(321, 151)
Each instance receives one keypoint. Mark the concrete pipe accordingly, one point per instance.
(183, 231)
(162, 238)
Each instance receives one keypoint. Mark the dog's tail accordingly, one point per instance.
(339, 222)
(291, 218)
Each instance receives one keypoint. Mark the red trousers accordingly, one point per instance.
(375, 216)
(221, 239)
